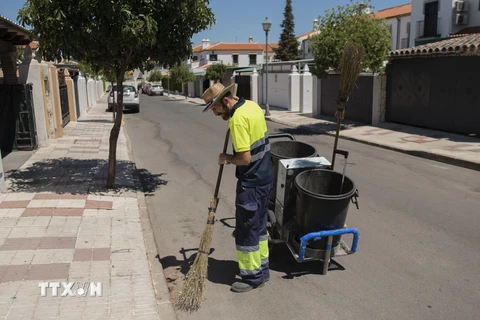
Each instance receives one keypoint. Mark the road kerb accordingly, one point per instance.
(416, 153)
(164, 305)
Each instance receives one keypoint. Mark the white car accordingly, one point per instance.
(155, 89)
(131, 99)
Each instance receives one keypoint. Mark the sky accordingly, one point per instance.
(237, 20)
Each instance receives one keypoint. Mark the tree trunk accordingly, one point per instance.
(113, 101)
(112, 154)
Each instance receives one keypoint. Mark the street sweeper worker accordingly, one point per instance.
(254, 173)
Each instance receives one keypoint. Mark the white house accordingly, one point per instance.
(435, 20)
(398, 20)
(235, 54)
(304, 44)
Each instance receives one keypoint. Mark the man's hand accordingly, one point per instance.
(223, 158)
(240, 158)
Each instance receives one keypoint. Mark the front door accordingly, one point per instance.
(243, 86)
(431, 18)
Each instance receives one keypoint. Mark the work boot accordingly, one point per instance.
(264, 280)
(240, 286)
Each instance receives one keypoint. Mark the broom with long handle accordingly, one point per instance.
(350, 67)
(192, 293)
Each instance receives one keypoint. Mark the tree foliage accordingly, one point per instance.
(181, 73)
(352, 22)
(88, 70)
(216, 72)
(155, 76)
(116, 36)
(288, 45)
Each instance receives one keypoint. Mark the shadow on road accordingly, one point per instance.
(78, 176)
(281, 260)
(219, 271)
(310, 129)
(226, 224)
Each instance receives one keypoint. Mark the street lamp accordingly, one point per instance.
(266, 27)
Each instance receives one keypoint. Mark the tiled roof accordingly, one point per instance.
(307, 34)
(401, 10)
(33, 45)
(236, 46)
(465, 31)
(197, 48)
(459, 46)
(273, 46)
(13, 33)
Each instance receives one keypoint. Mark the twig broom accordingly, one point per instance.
(350, 67)
(190, 298)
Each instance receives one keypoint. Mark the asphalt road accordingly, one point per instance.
(419, 223)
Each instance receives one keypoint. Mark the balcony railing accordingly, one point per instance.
(430, 29)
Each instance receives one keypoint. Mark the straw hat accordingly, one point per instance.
(216, 93)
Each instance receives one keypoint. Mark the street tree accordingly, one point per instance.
(216, 72)
(88, 70)
(288, 45)
(181, 73)
(116, 37)
(155, 76)
(352, 22)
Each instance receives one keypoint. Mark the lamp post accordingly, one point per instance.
(266, 27)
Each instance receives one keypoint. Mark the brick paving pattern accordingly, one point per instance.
(59, 223)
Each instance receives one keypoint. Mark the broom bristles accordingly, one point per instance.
(192, 293)
(350, 67)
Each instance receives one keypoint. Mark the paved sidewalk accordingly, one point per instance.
(59, 223)
(441, 146)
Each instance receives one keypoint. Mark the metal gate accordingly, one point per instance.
(436, 93)
(77, 98)
(26, 136)
(206, 84)
(359, 106)
(17, 118)
(64, 105)
(243, 86)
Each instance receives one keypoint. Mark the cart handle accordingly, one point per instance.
(281, 135)
(326, 233)
(342, 152)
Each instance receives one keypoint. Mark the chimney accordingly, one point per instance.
(250, 39)
(205, 43)
(315, 24)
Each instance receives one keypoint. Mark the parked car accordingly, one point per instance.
(145, 88)
(155, 89)
(131, 100)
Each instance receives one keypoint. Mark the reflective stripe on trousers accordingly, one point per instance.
(251, 232)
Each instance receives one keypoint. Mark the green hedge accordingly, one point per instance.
(173, 85)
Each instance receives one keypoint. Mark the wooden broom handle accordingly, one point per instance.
(220, 170)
